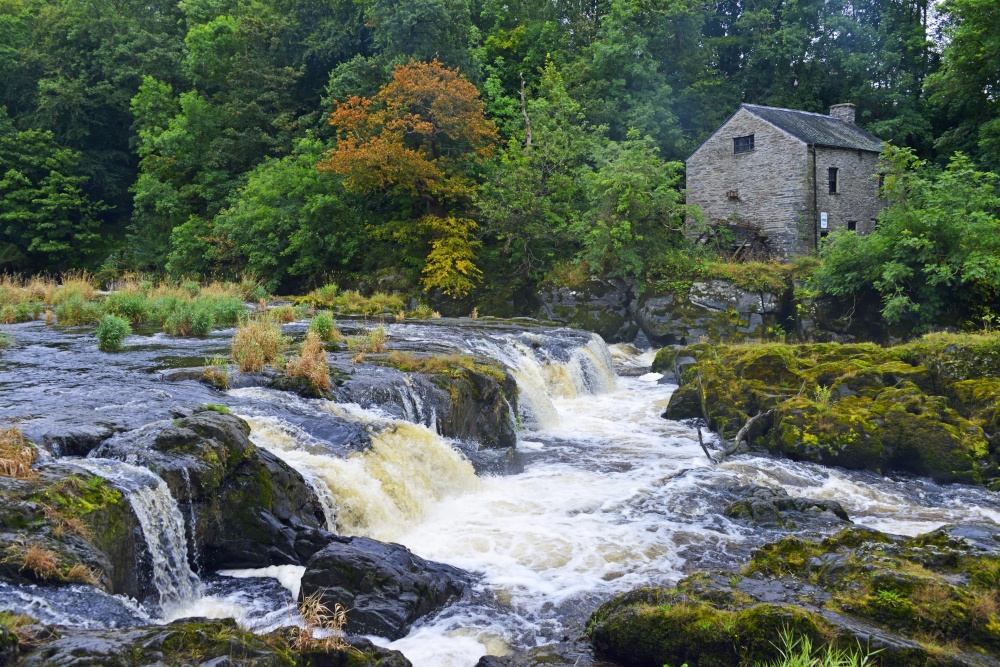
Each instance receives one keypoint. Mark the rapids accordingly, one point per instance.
(612, 495)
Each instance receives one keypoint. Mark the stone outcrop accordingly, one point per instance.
(244, 505)
(68, 526)
(385, 586)
(925, 408)
(928, 600)
(716, 310)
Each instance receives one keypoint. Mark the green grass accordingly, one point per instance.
(111, 333)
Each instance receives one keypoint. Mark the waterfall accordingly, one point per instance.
(162, 527)
(382, 491)
(544, 371)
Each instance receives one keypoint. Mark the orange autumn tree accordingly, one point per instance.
(421, 137)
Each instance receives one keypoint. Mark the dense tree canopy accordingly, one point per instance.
(493, 140)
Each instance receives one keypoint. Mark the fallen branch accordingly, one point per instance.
(703, 447)
(742, 434)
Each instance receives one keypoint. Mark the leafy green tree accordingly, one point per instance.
(292, 223)
(47, 223)
(537, 192)
(967, 87)
(935, 257)
(636, 209)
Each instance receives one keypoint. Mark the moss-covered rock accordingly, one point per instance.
(201, 642)
(930, 600)
(856, 406)
(68, 526)
(245, 504)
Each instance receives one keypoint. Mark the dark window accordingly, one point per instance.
(823, 234)
(881, 181)
(852, 225)
(743, 144)
(832, 173)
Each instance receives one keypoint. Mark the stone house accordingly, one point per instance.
(789, 176)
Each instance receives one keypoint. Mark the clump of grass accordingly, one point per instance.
(82, 573)
(74, 310)
(16, 455)
(111, 333)
(133, 305)
(191, 318)
(192, 288)
(371, 342)
(323, 325)
(5, 341)
(23, 311)
(73, 285)
(310, 364)
(282, 314)
(317, 618)
(421, 312)
(217, 372)
(257, 342)
(352, 302)
(215, 407)
(50, 318)
(800, 652)
(42, 563)
(41, 288)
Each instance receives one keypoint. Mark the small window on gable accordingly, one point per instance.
(743, 144)
(852, 225)
(832, 173)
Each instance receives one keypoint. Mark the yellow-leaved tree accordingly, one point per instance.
(423, 136)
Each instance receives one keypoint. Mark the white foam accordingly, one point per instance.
(289, 576)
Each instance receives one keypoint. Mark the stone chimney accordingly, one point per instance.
(844, 112)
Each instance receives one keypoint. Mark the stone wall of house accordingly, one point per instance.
(857, 188)
(773, 181)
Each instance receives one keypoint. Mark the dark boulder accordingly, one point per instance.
(385, 586)
(243, 505)
(773, 507)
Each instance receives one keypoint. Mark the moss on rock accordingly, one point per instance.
(911, 408)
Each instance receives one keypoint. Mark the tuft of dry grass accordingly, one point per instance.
(81, 572)
(41, 288)
(42, 563)
(316, 616)
(50, 318)
(282, 314)
(400, 317)
(217, 372)
(16, 455)
(257, 342)
(65, 523)
(73, 284)
(311, 364)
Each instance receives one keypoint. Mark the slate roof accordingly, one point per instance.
(817, 129)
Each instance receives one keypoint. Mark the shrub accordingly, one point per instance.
(111, 333)
(16, 455)
(932, 258)
(257, 342)
(133, 306)
(192, 288)
(74, 310)
(311, 364)
(324, 326)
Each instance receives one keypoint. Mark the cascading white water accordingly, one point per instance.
(541, 377)
(379, 492)
(162, 527)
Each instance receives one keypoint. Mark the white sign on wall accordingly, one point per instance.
(823, 221)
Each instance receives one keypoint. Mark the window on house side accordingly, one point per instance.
(743, 144)
(832, 173)
(852, 225)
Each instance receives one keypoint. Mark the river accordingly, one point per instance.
(612, 495)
